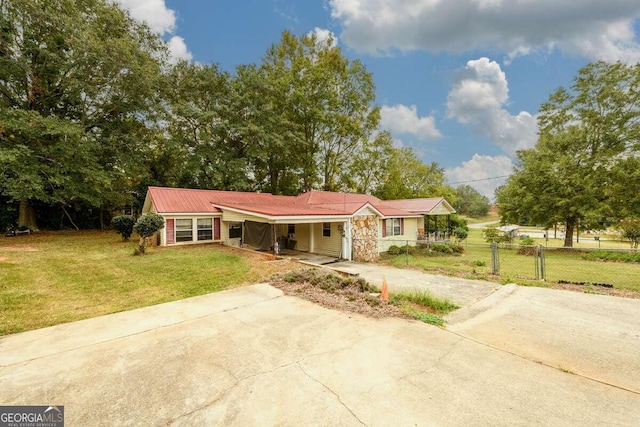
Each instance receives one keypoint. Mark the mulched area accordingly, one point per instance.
(325, 288)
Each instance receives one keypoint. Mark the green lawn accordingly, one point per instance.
(52, 278)
(476, 263)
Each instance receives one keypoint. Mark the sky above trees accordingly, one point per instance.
(460, 82)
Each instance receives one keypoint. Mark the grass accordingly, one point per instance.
(476, 263)
(52, 278)
(422, 305)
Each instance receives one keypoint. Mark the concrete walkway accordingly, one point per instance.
(251, 356)
(462, 292)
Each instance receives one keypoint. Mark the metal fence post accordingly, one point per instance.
(543, 267)
(494, 258)
(536, 255)
(406, 252)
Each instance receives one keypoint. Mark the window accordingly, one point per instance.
(291, 229)
(393, 227)
(184, 230)
(205, 229)
(326, 229)
(235, 230)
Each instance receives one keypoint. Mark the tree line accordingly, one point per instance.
(92, 112)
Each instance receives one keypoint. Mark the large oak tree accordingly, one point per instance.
(78, 86)
(585, 160)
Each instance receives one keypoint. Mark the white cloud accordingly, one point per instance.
(404, 120)
(478, 97)
(161, 20)
(154, 12)
(481, 172)
(323, 36)
(178, 50)
(594, 29)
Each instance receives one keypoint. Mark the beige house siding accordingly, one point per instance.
(230, 216)
(327, 245)
(440, 210)
(301, 236)
(410, 234)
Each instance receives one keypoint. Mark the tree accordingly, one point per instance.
(630, 229)
(146, 226)
(368, 167)
(406, 177)
(77, 89)
(470, 202)
(588, 145)
(123, 224)
(326, 104)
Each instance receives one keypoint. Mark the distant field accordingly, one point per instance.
(52, 278)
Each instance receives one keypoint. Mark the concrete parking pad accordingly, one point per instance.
(251, 356)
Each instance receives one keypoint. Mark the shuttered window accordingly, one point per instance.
(393, 227)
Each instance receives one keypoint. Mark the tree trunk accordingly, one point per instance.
(27, 215)
(568, 235)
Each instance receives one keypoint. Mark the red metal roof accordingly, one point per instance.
(418, 206)
(312, 203)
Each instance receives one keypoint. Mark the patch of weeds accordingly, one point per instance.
(590, 289)
(566, 370)
(373, 301)
(326, 281)
(425, 299)
(479, 263)
(432, 319)
(615, 256)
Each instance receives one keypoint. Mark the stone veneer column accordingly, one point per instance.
(364, 234)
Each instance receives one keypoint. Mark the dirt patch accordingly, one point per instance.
(593, 289)
(340, 293)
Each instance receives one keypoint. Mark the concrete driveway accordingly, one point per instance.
(251, 356)
(462, 292)
(595, 336)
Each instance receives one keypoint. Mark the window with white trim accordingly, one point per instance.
(205, 228)
(184, 230)
(393, 227)
(326, 229)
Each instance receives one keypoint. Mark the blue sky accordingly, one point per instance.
(460, 82)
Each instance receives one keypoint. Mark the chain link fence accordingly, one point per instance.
(619, 268)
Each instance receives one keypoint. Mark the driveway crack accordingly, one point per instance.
(344, 405)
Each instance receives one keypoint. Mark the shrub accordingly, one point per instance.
(146, 226)
(493, 235)
(123, 224)
(443, 248)
(401, 250)
(460, 233)
(615, 256)
(527, 246)
(394, 250)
